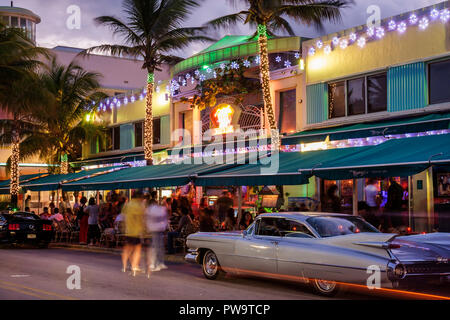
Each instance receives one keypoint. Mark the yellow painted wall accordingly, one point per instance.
(277, 86)
(393, 49)
(136, 111)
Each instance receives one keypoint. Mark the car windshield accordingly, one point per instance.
(331, 226)
(25, 215)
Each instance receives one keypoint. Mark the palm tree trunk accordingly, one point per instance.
(64, 166)
(15, 156)
(265, 83)
(148, 125)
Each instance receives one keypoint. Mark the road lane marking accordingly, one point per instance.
(7, 283)
(23, 292)
(19, 275)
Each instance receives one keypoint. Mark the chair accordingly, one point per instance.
(180, 242)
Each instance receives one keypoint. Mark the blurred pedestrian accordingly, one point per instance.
(230, 221)
(223, 204)
(156, 219)
(83, 218)
(133, 212)
(207, 221)
(333, 201)
(93, 231)
(394, 203)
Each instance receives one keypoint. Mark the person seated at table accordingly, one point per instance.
(185, 221)
(207, 221)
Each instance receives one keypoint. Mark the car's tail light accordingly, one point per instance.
(47, 227)
(14, 226)
(393, 246)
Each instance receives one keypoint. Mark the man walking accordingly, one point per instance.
(156, 218)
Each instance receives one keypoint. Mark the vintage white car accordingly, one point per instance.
(324, 250)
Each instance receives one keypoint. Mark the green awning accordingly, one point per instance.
(393, 158)
(54, 181)
(167, 175)
(4, 184)
(281, 171)
(430, 122)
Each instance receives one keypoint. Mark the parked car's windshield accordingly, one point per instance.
(25, 215)
(331, 226)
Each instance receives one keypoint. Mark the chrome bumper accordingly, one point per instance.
(192, 256)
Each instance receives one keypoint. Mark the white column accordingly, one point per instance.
(430, 199)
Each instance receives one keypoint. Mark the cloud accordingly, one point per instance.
(52, 31)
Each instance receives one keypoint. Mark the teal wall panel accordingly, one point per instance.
(126, 136)
(407, 87)
(316, 103)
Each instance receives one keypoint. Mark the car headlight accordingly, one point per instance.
(396, 270)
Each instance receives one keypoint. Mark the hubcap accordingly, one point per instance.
(326, 285)
(211, 264)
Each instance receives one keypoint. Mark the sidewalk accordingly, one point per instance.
(177, 258)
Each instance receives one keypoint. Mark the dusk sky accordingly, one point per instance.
(52, 31)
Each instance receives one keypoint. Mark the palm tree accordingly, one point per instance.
(152, 31)
(268, 16)
(18, 89)
(64, 119)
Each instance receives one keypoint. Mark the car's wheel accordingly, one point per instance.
(210, 266)
(325, 287)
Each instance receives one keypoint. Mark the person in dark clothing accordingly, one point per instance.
(223, 204)
(333, 202)
(207, 221)
(246, 220)
(185, 221)
(394, 203)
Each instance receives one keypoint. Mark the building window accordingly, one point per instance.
(14, 22)
(439, 73)
(287, 115)
(156, 130)
(357, 96)
(106, 141)
(138, 134)
(116, 138)
(336, 99)
(377, 93)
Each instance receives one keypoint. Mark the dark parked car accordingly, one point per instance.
(25, 227)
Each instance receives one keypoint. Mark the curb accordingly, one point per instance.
(169, 258)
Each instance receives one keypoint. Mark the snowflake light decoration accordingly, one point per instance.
(361, 42)
(287, 64)
(246, 63)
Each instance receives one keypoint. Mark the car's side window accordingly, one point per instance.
(297, 229)
(268, 227)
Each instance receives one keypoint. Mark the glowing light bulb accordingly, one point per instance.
(361, 42)
(327, 49)
(380, 32)
(392, 25)
(445, 15)
(344, 43)
(401, 27)
(413, 19)
(319, 44)
(312, 51)
(423, 23)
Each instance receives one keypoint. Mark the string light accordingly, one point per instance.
(319, 44)
(423, 23)
(392, 25)
(401, 27)
(278, 59)
(380, 32)
(15, 156)
(413, 19)
(297, 55)
(265, 83)
(287, 63)
(361, 42)
(327, 49)
(353, 37)
(434, 14)
(445, 15)
(312, 51)
(246, 63)
(344, 43)
(370, 31)
(335, 41)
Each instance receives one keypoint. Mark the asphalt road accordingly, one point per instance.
(28, 273)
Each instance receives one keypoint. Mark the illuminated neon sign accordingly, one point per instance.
(221, 119)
